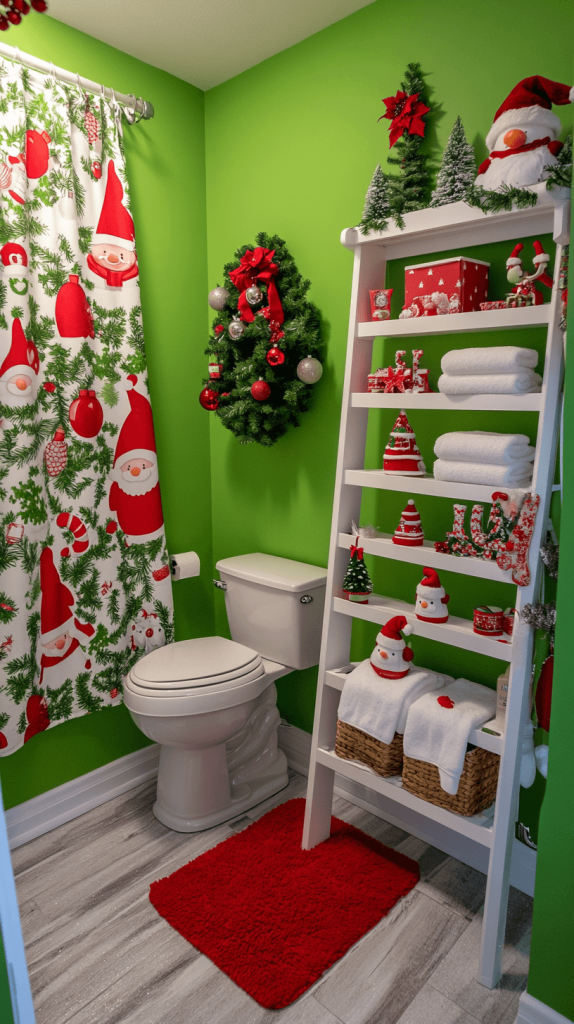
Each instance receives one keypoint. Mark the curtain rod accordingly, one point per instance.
(142, 107)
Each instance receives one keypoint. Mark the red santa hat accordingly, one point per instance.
(13, 254)
(390, 635)
(115, 225)
(23, 355)
(541, 256)
(430, 585)
(530, 102)
(136, 438)
(56, 610)
(514, 259)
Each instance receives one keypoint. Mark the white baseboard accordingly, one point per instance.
(43, 813)
(297, 747)
(532, 1011)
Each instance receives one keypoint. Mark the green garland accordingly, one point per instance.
(244, 360)
(500, 200)
(560, 174)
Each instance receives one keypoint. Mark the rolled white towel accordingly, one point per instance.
(497, 359)
(519, 474)
(438, 727)
(523, 382)
(484, 446)
(379, 706)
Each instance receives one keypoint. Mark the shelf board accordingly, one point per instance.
(410, 400)
(478, 828)
(457, 323)
(383, 547)
(423, 485)
(456, 632)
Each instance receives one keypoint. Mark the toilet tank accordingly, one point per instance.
(275, 606)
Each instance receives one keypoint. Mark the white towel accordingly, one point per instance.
(519, 474)
(498, 359)
(440, 734)
(379, 706)
(522, 382)
(484, 446)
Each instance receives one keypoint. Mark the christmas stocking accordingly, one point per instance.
(515, 556)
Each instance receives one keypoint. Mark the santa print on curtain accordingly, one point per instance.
(85, 587)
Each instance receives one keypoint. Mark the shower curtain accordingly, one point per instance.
(85, 587)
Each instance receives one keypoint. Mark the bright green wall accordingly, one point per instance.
(166, 166)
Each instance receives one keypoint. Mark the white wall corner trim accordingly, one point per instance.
(532, 1011)
(34, 817)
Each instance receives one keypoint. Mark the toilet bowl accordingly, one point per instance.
(211, 703)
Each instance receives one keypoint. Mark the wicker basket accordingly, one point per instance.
(384, 758)
(476, 789)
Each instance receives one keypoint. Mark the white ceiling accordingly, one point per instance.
(205, 42)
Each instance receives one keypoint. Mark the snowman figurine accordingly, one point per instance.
(431, 604)
(391, 657)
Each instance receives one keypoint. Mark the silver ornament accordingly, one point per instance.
(218, 297)
(254, 295)
(236, 328)
(309, 370)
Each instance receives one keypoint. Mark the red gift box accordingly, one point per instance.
(497, 304)
(464, 282)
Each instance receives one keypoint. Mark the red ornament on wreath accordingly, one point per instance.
(56, 453)
(86, 414)
(260, 390)
(209, 399)
(275, 356)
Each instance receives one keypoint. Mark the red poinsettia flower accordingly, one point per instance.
(404, 112)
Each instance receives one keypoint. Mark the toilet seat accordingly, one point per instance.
(194, 676)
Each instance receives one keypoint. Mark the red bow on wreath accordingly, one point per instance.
(404, 112)
(254, 266)
(356, 551)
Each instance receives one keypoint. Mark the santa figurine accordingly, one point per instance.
(19, 371)
(62, 636)
(113, 259)
(524, 283)
(134, 494)
(391, 657)
(15, 266)
(523, 138)
(432, 600)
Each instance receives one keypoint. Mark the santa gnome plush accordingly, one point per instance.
(432, 600)
(19, 371)
(391, 657)
(61, 634)
(113, 257)
(134, 494)
(522, 140)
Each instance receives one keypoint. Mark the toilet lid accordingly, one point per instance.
(190, 663)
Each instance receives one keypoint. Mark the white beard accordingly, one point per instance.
(135, 486)
(519, 171)
(12, 396)
(55, 652)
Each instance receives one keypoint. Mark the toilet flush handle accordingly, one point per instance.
(306, 599)
(220, 584)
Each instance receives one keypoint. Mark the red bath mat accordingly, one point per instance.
(274, 917)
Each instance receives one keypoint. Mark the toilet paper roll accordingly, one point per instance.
(184, 565)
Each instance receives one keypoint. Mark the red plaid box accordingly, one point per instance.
(464, 281)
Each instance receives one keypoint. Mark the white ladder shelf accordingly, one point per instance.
(426, 231)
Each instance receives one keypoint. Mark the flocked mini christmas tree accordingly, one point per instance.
(377, 209)
(357, 582)
(457, 170)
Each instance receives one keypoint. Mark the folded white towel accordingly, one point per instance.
(484, 446)
(522, 382)
(438, 732)
(498, 359)
(379, 706)
(519, 474)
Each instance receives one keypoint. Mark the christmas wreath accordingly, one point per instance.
(265, 342)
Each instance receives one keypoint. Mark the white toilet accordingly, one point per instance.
(212, 703)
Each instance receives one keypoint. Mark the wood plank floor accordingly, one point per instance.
(98, 953)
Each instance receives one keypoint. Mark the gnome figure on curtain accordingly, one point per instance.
(19, 371)
(134, 494)
(28, 167)
(62, 636)
(113, 258)
(523, 138)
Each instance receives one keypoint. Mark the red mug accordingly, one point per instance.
(508, 620)
(488, 621)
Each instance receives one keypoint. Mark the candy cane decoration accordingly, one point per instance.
(76, 526)
(457, 538)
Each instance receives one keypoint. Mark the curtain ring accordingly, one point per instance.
(130, 112)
